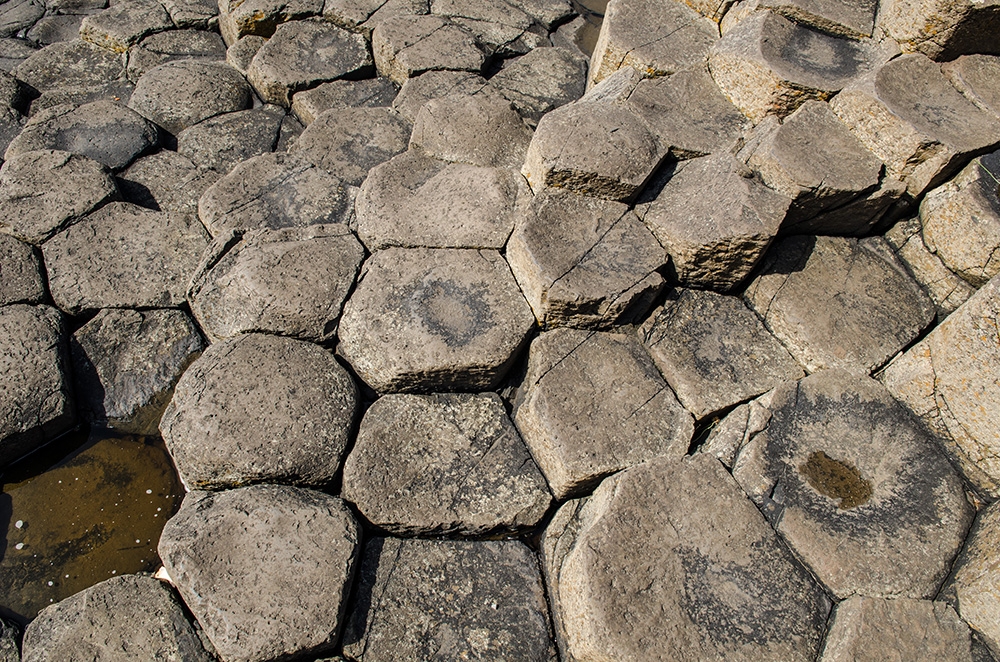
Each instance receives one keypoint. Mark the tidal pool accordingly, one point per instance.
(82, 510)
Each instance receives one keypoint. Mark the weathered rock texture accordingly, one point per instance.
(222, 142)
(407, 46)
(176, 95)
(941, 29)
(21, 267)
(945, 289)
(165, 181)
(370, 93)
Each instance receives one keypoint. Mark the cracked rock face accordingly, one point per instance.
(21, 266)
(407, 46)
(223, 142)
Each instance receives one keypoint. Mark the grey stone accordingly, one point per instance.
(18, 15)
(12, 92)
(948, 380)
(196, 14)
(714, 352)
(584, 262)
(909, 115)
(844, 18)
(459, 600)
(106, 131)
(371, 93)
(856, 487)
(541, 80)
(35, 391)
(976, 76)
(864, 629)
(126, 362)
(655, 38)
(838, 302)
(712, 9)
(301, 401)
(125, 23)
(973, 586)
(289, 282)
(415, 92)
(303, 54)
(123, 256)
(55, 28)
(10, 636)
(578, 36)
(499, 27)
(42, 192)
(14, 51)
(364, 16)
(426, 319)
(961, 221)
(714, 241)
(131, 617)
(117, 90)
(273, 191)
(21, 270)
(945, 289)
(222, 142)
(290, 130)
(407, 46)
(173, 45)
(549, 13)
(670, 560)
(238, 18)
(414, 200)
(348, 142)
(942, 29)
(241, 54)
(176, 95)
(165, 181)
(266, 569)
(443, 464)
(593, 403)
(768, 65)
(483, 130)
(70, 64)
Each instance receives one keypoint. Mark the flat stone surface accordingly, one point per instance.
(414, 200)
(863, 629)
(43, 191)
(303, 54)
(14, 51)
(348, 142)
(714, 241)
(455, 599)
(844, 18)
(945, 289)
(942, 29)
(240, 54)
(593, 403)
(415, 92)
(301, 401)
(499, 27)
(21, 266)
(426, 319)
(291, 281)
(18, 15)
(124, 256)
(35, 391)
(655, 38)
(123, 618)
(173, 45)
(222, 142)
(370, 93)
(273, 191)
(119, 89)
(363, 16)
(125, 365)
(541, 80)
(949, 380)
(407, 46)
(165, 181)
(125, 23)
(176, 95)
(975, 76)
(70, 63)
(856, 487)
(839, 303)
(198, 14)
(55, 28)
(584, 262)
(238, 18)
(443, 464)
(266, 569)
(106, 131)
(670, 560)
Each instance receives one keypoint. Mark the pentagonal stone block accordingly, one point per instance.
(290, 282)
(127, 617)
(856, 487)
(443, 464)
(371, 93)
(415, 92)
(302, 403)
(106, 131)
(655, 38)
(460, 599)
(837, 302)
(303, 54)
(176, 95)
(222, 142)
(348, 142)
(974, 582)
(909, 115)
(273, 191)
(714, 352)
(541, 80)
(864, 628)
(266, 569)
(670, 560)
(35, 391)
(407, 46)
(942, 29)
(122, 25)
(126, 362)
(165, 181)
(948, 380)
(714, 241)
(414, 200)
(593, 404)
(499, 27)
(945, 289)
(70, 64)
(976, 77)
(584, 262)
(163, 47)
(837, 17)
(768, 65)
(43, 191)
(961, 221)
(261, 17)
(21, 266)
(434, 320)
(124, 256)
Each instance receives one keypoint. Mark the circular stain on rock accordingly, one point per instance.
(456, 313)
(837, 480)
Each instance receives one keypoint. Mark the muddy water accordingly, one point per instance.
(95, 513)
(593, 13)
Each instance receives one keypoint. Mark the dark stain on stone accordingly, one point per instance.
(457, 313)
(812, 53)
(837, 480)
(989, 179)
